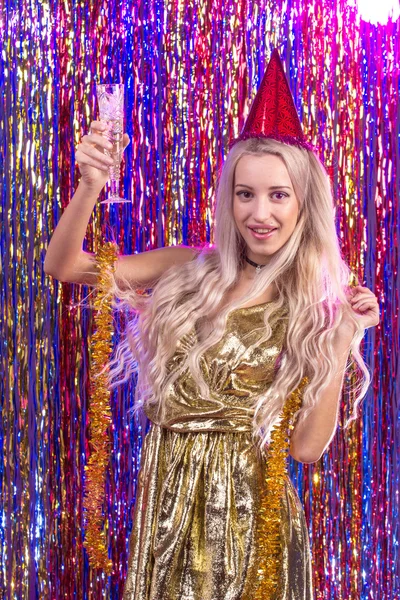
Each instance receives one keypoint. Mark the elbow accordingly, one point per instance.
(306, 456)
(48, 270)
(307, 460)
(52, 272)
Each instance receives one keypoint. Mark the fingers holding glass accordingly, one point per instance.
(89, 155)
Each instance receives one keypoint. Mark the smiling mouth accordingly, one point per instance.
(262, 233)
(262, 230)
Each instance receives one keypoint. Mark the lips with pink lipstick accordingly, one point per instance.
(262, 233)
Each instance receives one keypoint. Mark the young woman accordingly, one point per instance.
(220, 344)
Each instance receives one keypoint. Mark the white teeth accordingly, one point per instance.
(262, 230)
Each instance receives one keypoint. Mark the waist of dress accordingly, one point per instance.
(196, 424)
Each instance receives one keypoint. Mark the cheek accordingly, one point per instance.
(235, 206)
(238, 213)
(291, 217)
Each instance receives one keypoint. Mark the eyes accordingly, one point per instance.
(246, 195)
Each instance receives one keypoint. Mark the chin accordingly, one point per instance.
(262, 251)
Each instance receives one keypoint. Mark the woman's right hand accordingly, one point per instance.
(93, 162)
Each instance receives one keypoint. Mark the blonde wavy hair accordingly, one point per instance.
(311, 277)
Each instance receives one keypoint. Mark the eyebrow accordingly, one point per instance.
(272, 187)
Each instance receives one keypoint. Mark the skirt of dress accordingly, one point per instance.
(195, 521)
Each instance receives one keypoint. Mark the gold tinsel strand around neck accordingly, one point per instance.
(99, 415)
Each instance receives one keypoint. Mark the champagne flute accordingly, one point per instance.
(111, 108)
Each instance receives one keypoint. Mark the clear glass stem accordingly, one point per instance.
(114, 188)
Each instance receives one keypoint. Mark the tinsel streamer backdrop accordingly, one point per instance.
(191, 70)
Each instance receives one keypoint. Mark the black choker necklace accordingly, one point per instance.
(253, 264)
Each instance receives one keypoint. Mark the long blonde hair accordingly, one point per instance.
(308, 271)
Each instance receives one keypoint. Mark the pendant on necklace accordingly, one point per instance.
(258, 269)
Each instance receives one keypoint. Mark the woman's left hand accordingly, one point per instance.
(365, 306)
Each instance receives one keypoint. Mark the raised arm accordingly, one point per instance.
(312, 437)
(66, 260)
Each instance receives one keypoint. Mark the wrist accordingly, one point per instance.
(346, 330)
(89, 191)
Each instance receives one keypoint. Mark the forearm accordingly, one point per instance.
(66, 242)
(311, 437)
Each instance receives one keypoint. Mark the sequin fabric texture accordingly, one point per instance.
(195, 522)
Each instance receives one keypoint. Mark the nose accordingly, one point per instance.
(262, 210)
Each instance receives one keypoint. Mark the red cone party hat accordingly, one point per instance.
(273, 113)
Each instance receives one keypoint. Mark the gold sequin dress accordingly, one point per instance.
(195, 521)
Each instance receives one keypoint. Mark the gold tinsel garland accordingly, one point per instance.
(269, 520)
(99, 415)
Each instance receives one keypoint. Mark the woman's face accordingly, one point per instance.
(265, 207)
